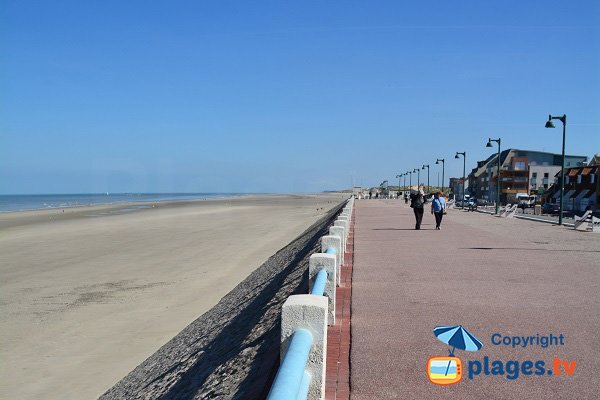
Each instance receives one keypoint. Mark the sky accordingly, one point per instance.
(282, 96)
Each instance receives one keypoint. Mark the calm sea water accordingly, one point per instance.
(10, 203)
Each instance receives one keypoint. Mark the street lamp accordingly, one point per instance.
(443, 165)
(409, 181)
(489, 144)
(399, 176)
(427, 176)
(550, 124)
(464, 154)
(418, 171)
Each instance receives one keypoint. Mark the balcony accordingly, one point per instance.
(511, 168)
(520, 179)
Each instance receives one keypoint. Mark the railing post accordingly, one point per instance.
(346, 225)
(347, 212)
(305, 311)
(328, 262)
(338, 231)
(336, 243)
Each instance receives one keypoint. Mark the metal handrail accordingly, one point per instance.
(292, 379)
(320, 281)
(304, 386)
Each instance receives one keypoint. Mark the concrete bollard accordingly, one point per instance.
(305, 311)
(346, 216)
(338, 231)
(344, 224)
(336, 243)
(328, 262)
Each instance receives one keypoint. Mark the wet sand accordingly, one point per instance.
(88, 294)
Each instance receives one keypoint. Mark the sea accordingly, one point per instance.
(13, 203)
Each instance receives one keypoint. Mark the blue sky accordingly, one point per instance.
(223, 96)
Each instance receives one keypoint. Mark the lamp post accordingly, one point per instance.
(409, 181)
(427, 165)
(489, 144)
(398, 176)
(443, 165)
(464, 154)
(404, 175)
(550, 124)
(418, 171)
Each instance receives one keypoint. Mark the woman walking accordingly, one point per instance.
(438, 208)
(417, 202)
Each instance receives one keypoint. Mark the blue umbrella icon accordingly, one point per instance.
(457, 337)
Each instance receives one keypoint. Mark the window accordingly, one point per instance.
(593, 178)
(534, 175)
(545, 174)
(578, 178)
(520, 165)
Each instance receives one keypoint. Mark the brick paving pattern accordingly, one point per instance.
(337, 381)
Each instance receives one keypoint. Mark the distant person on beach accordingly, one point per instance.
(438, 208)
(416, 202)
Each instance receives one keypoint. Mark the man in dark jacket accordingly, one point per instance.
(417, 203)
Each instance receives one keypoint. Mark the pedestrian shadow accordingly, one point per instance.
(525, 248)
(394, 229)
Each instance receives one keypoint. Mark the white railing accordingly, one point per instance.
(304, 319)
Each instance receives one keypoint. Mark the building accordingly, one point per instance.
(456, 188)
(582, 187)
(521, 171)
(478, 178)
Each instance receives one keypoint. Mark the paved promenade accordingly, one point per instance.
(491, 275)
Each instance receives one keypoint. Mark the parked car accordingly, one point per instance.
(525, 200)
(550, 208)
(471, 204)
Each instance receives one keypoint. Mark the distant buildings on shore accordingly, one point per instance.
(534, 173)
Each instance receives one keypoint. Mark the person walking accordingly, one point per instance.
(416, 202)
(438, 208)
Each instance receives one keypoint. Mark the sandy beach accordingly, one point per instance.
(89, 293)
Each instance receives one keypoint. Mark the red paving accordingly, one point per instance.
(490, 275)
(337, 380)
